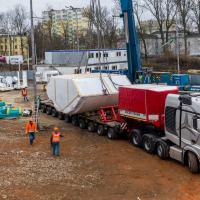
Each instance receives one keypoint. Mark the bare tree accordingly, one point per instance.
(164, 11)
(48, 25)
(139, 11)
(195, 11)
(103, 24)
(184, 7)
(19, 23)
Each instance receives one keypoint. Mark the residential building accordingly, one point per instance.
(14, 45)
(151, 26)
(105, 59)
(155, 47)
(64, 22)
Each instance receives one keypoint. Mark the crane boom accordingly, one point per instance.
(132, 40)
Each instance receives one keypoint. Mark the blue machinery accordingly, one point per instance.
(132, 40)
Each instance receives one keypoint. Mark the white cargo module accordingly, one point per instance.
(78, 93)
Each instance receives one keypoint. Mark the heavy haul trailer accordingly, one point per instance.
(150, 115)
(163, 122)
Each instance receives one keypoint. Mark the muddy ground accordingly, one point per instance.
(89, 168)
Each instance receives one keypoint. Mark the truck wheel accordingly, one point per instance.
(43, 108)
(67, 119)
(136, 138)
(49, 110)
(82, 124)
(162, 149)
(60, 116)
(100, 130)
(112, 134)
(54, 113)
(91, 127)
(75, 121)
(148, 143)
(193, 163)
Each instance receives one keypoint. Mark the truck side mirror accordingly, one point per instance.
(185, 99)
(198, 124)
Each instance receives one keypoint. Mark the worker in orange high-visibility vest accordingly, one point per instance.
(24, 94)
(31, 128)
(55, 141)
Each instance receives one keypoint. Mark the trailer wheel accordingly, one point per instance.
(136, 138)
(82, 124)
(162, 149)
(60, 116)
(112, 134)
(193, 163)
(100, 130)
(67, 118)
(48, 110)
(75, 121)
(91, 127)
(54, 113)
(43, 108)
(148, 143)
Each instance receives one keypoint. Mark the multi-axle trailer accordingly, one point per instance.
(155, 118)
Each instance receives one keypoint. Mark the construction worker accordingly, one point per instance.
(24, 94)
(31, 129)
(55, 142)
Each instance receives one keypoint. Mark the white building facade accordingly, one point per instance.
(104, 59)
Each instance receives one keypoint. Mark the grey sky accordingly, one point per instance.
(40, 5)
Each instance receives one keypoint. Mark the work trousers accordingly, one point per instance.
(31, 138)
(56, 149)
(25, 98)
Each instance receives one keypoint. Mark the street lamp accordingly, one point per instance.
(33, 60)
(177, 44)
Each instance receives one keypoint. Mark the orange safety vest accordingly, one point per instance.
(24, 93)
(31, 128)
(55, 137)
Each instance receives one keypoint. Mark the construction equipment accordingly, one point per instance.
(8, 111)
(168, 127)
(132, 41)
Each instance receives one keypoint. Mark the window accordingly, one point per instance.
(1, 46)
(91, 55)
(15, 46)
(114, 67)
(171, 120)
(97, 68)
(106, 67)
(88, 70)
(76, 71)
(118, 53)
(98, 55)
(105, 55)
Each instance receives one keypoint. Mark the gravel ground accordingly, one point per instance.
(89, 168)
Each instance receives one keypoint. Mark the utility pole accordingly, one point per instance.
(33, 59)
(177, 45)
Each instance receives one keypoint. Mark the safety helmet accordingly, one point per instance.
(55, 128)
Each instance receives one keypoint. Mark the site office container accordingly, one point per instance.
(144, 104)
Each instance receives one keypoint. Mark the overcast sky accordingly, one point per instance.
(40, 5)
